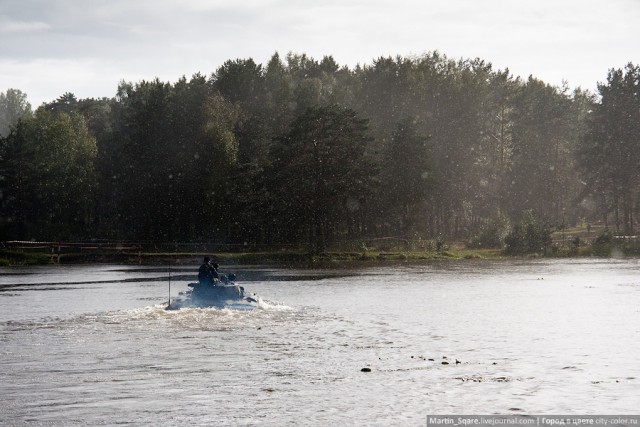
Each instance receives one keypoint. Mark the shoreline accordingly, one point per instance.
(299, 259)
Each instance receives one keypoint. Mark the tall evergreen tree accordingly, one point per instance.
(610, 151)
(407, 178)
(321, 175)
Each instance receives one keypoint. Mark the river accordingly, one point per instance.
(93, 344)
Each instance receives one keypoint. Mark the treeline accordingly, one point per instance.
(307, 152)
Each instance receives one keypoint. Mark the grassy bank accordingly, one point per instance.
(575, 242)
(293, 258)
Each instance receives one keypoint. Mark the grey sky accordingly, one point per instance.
(48, 47)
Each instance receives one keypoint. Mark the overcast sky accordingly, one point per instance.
(49, 47)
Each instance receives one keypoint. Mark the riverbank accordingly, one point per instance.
(280, 258)
(565, 245)
(294, 258)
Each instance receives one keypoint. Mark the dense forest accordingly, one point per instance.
(313, 154)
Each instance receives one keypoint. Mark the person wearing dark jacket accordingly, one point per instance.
(207, 273)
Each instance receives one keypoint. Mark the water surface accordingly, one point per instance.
(93, 344)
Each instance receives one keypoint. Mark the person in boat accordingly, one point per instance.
(214, 272)
(208, 272)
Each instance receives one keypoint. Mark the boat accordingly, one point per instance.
(223, 293)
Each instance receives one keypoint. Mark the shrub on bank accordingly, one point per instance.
(530, 235)
(606, 245)
(492, 234)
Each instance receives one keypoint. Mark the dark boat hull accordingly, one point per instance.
(203, 296)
